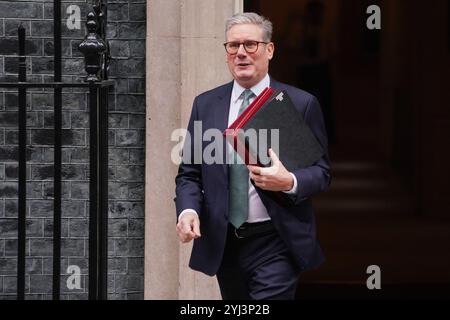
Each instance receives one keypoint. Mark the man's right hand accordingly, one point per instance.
(188, 227)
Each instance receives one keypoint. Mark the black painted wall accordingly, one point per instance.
(126, 32)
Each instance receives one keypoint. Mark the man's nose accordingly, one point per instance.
(241, 51)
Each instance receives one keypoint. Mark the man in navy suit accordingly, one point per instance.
(256, 246)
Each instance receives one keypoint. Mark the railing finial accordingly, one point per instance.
(92, 48)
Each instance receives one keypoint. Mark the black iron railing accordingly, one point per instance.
(96, 51)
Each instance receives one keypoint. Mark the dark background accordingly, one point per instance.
(385, 98)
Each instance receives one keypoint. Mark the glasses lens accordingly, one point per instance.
(251, 46)
(232, 47)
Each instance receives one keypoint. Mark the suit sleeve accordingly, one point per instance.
(316, 178)
(189, 190)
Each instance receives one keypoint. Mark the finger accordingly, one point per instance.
(273, 157)
(256, 178)
(181, 236)
(196, 229)
(191, 235)
(261, 185)
(180, 232)
(186, 237)
(270, 171)
(186, 228)
(261, 179)
(254, 169)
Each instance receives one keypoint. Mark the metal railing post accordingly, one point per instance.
(94, 48)
(57, 105)
(22, 205)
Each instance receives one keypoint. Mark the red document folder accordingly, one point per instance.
(297, 145)
(231, 133)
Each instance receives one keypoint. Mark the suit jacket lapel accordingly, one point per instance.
(275, 84)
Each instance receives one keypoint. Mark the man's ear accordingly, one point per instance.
(270, 49)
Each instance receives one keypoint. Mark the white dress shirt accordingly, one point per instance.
(257, 212)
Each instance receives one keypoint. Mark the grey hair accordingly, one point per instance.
(250, 18)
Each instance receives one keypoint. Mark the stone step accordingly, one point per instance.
(368, 217)
(364, 188)
(404, 248)
(363, 205)
(357, 290)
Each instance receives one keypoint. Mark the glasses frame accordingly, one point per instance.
(243, 43)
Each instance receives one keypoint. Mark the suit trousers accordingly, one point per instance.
(258, 267)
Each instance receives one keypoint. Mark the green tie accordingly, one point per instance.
(239, 180)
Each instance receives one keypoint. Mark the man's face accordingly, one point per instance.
(249, 68)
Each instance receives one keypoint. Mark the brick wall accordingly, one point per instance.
(126, 32)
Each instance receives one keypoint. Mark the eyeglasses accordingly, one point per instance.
(250, 46)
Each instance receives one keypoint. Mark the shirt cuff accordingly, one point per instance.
(187, 211)
(294, 188)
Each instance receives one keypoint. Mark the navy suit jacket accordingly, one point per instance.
(204, 187)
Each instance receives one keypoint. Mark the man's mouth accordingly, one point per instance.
(243, 64)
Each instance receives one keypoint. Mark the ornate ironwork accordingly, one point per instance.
(93, 48)
(101, 10)
(96, 51)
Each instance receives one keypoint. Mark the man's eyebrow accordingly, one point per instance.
(243, 41)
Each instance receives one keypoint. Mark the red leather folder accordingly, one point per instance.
(231, 133)
(297, 145)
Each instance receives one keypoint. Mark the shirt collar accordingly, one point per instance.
(256, 89)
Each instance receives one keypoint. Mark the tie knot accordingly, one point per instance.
(247, 94)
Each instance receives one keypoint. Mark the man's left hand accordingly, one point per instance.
(274, 178)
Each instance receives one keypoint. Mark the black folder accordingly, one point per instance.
(298, 147)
